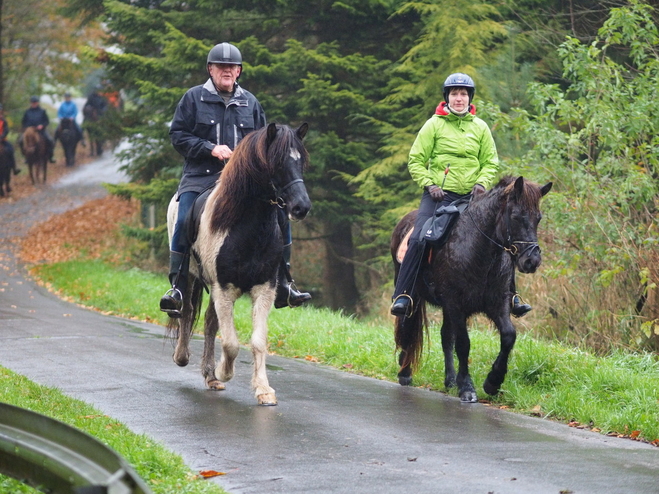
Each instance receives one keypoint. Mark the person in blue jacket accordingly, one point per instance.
(209, 122)
(68, 109)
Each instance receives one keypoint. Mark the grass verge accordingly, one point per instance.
(162, 470)
(616, 395)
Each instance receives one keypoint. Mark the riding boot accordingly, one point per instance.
(287, 293)
(172, 301)
(518, 307)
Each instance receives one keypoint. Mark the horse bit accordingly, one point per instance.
(279, 200)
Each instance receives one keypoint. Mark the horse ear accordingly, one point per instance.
(271, 132)
(302, 130)
(519, 187)
(546, 188)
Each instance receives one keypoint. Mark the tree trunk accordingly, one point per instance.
(339, 286)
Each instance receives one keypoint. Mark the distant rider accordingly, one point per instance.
(35, 116)
(68, 109)
(9, 149)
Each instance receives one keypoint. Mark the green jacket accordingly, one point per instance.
(463, 142)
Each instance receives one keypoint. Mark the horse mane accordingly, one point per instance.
(248, 173)
(30, 139)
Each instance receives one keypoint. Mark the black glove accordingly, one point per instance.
(477, 190)
(435, 192)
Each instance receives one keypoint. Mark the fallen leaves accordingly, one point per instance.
(207, 474)
(85, 229)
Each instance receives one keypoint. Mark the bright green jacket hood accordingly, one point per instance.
(463, 142)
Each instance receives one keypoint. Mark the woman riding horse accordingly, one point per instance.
(454, 155)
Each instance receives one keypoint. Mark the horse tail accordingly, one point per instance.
(409, 335)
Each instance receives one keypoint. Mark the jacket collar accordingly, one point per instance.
(442, 109)
(210, 94)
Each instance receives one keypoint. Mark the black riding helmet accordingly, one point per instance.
(459, 80)
(224, 53)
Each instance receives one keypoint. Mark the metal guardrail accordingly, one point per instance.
(55, 457)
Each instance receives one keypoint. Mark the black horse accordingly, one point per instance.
(239, 247)
(472, 274)
(5, 171)
(67, 133)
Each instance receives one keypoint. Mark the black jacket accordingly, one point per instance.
(35, 116)
(202, 120)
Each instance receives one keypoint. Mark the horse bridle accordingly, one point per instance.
(512, 247)
(279, 200)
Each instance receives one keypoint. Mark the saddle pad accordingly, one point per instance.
(194, 215)
(402, 248)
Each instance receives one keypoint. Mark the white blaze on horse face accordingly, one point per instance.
(295, 154)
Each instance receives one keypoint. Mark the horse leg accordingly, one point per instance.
(495, 378)
(262, 299)
(448, 346)
(409, 338)
(32, 173)
(466, 389)
(224, 300)
(208, 358)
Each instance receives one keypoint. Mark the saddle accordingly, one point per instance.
(436, 229)
(193, 217)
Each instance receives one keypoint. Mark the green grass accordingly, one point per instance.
(163, 471)
(618, 394)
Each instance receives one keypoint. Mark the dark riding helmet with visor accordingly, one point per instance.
(459, 80)
(224, 53)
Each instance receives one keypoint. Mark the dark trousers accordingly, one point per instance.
(416, 247)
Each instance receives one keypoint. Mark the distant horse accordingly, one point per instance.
(68, 135)
(5, 171)
(92, 125)
(239, 250)
(472, 274)
(34, 148)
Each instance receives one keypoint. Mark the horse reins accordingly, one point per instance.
(279, 201)
(513, 250)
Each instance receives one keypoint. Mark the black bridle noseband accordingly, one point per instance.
(279, 200)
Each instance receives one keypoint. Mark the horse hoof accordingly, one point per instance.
(216, 385)
(182, 361)
(490, 389)
(468, 397)
(404, 380)
(267, 399)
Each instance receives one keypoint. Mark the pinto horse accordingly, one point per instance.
(238, 250)
(472, 274)
(34, 148)
(68, 135)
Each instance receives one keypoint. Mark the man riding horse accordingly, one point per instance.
(35, 116)
(210, 120)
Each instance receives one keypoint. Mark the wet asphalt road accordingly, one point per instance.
(332, 432)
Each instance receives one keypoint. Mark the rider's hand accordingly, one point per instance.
(435, 192)
(477, 190)
(222, 152)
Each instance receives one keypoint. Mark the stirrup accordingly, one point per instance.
(518, 307)
(409, 310)
(170, 298)
(291, 291)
